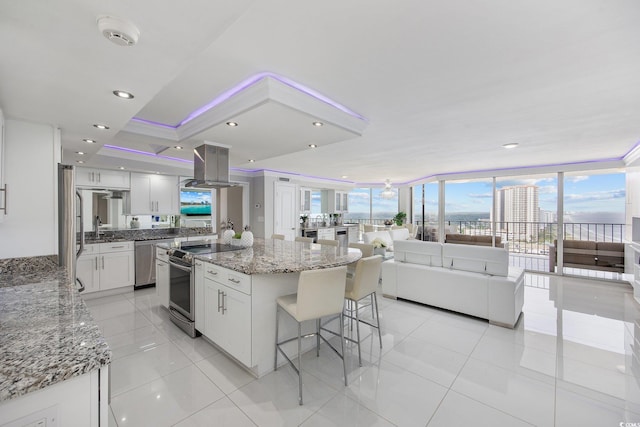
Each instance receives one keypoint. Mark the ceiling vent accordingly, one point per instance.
(118, 30)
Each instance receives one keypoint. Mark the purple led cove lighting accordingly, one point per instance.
(584, 162)
(146, 153)
(245, 84)
(150, 122)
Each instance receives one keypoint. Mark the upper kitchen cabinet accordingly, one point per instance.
(334, 201)
(305, 200)
(153, 194)
(3, 188)
(87, 177)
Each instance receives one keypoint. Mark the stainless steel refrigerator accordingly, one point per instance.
(70, 222)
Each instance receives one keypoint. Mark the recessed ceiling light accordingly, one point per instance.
(232, 124)
(510, 145)
(89, 141)
(251, 161)
(178, 147)
(80, 153)
(313, 146)
(157, 173)
(318, 124)
(121, 168)
(344, 176)
(101, 126)
(123, 94)
(79, 161)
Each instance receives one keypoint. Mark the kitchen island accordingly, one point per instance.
(235, 295)
(54, 360)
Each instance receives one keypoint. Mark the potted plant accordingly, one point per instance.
(236, 240)
(400, 218)
(304, 220)
(379, 246)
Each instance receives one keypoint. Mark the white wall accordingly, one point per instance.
(32, 153)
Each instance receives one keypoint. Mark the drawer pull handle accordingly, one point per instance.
(215, 273)
(232, 280)
(118, 247)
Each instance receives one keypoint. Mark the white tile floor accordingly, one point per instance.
(571, 361)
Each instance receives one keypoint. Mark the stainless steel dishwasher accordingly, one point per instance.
(146, 262)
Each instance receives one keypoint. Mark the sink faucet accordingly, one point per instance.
(96, 226)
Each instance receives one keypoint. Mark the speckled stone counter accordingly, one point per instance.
(47, 334)
(282, 256)
(140, 234)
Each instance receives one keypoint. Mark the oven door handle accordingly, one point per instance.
(180, 267)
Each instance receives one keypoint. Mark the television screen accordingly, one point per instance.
(195, 202)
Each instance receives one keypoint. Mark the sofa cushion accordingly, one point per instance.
(399, 234)
(479, 259)
(382, 235)
(610, 254)
(418, 252)
(579, 252)
(469, 239)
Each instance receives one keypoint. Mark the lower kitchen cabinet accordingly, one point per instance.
(227, 314)
(105, 266)
(80, 401)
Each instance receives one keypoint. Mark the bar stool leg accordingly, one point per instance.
(317, 337)
(358, 333)
(300, 362)
(375, 300)
(344, 361)
(275, 359)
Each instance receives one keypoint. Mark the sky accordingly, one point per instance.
(583, 193)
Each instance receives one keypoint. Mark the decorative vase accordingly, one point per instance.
(227, 236)
(236, 242)
(380, 251)
(247, 239)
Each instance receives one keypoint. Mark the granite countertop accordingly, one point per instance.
(47, 334)
(142, 234)
(282, 256)
(328, 226)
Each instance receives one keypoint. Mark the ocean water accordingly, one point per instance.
(195, 210)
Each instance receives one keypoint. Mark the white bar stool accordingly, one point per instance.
(364, 284)
(320, 294)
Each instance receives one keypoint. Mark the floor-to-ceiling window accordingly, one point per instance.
(383, 208)
(468, 205)
(526, 219)
(594, 211)
(359, 206)
(427, 214)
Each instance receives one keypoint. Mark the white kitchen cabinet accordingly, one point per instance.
(305, 200)
(153, 194)
(353, 234)
(162, 276)
(88, 177)
(104, 266)
(327, 233)
(3, 189)
(79, 401)
(334, 201)
(227, 311)
(87, 268)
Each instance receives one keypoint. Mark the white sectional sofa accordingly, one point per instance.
(475, 280)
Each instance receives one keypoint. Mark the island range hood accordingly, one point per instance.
(210, 167)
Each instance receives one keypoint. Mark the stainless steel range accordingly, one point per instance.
(181, 282)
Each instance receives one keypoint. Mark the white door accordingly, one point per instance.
(285, 210)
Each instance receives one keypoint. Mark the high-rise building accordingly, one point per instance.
(517, 208)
